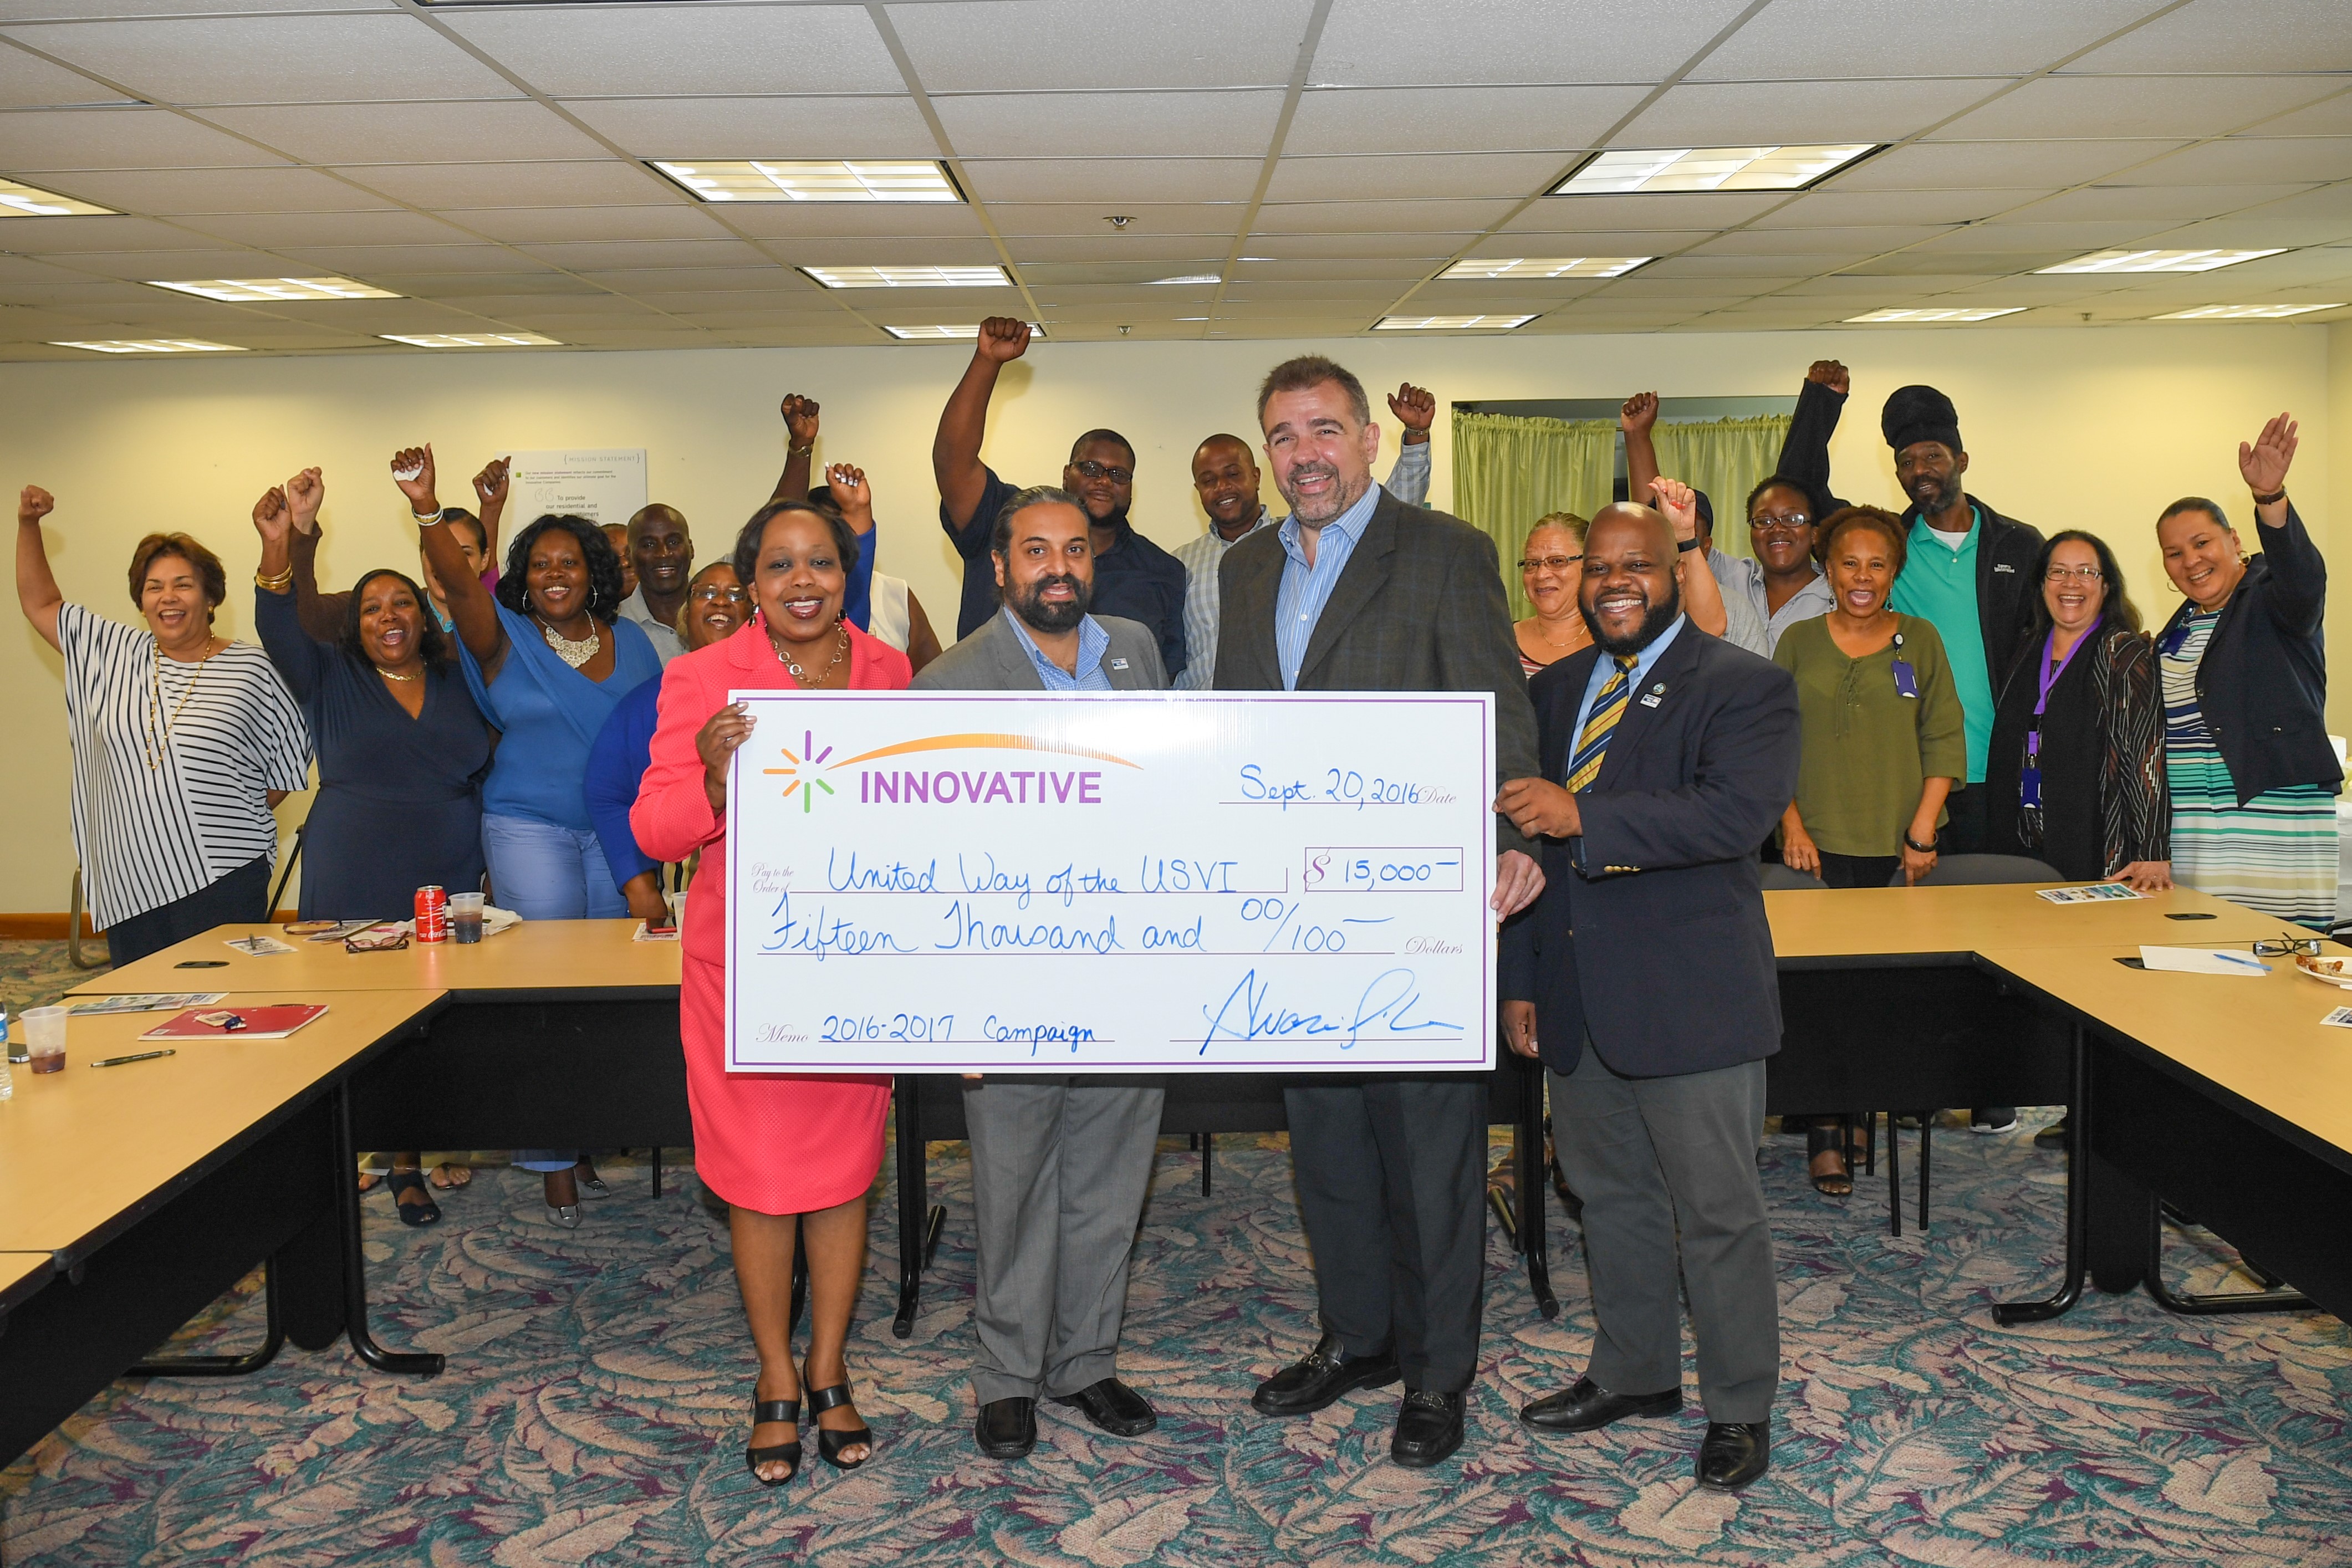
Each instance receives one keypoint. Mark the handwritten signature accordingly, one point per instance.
(1386, 1008)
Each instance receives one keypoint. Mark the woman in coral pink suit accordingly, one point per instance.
(793, 1154)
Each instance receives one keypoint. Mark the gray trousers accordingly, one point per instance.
(1651, 1158)
(1391, 1177)
(1059, 1170)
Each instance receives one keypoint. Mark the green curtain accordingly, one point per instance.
(1509, 471)
(1726, 458)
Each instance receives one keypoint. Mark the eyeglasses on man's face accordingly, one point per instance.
(717, 593)
(1549, 562)
(2073, 573)
(1094, 470)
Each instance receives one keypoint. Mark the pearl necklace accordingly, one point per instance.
(572, 654)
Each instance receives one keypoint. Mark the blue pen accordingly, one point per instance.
(2249, 963)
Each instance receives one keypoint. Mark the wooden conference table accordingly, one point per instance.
(565, 1033)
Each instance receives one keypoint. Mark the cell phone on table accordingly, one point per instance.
(663, 925)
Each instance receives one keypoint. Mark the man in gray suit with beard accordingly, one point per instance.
(1059, 1164)
(1358, 591)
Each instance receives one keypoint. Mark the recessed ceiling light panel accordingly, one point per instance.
(2156, 260)
(909, 276)
(154, 346)
(471, 339)
(1974, 313)
(1545, 266)
(248, 290)
(2246, 312)
(1450, 323)
(939, 331)
(1628, 171)
(31, 202)
(813, 179)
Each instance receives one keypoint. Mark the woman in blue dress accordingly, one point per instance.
(547, 659)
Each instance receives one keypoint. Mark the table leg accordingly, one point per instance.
(2078, 1194)
(273, 1341)
(1894, 1176)
(422, 1363)
(914, 1199)
(1532, 1174)
(2193, 1305)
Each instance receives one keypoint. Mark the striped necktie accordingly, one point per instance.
(1592, 740)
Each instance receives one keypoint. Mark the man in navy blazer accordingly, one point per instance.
(1644, 979)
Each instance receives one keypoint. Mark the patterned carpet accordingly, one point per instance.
(595, 1410)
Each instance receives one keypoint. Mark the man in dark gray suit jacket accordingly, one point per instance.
(1059, 1165)
(1358, 591)
(1644, 978)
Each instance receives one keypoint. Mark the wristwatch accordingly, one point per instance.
(2273, 499)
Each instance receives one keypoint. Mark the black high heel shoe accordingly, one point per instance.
(787, 1411)
(830, 1443)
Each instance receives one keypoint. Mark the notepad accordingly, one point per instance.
(145, 1002)
(273, 1022)
(2340, 1018)
(2094, 893)
(2203, 961)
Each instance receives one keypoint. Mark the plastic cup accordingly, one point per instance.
(466, 918)
(44, 1035)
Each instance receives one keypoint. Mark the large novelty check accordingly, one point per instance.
(1122, 883)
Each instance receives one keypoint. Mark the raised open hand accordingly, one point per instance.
(1414, 407)
(800, 419)
(271, 516)
(1679, 502)
(1640, 412)
(2263, 462)
(412, 470)
(34, 504)
(490, 484)
(1831, 374)
(305, 494)
(1002, 338)
(846, 481)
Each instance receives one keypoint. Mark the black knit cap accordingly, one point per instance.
(1916, 414)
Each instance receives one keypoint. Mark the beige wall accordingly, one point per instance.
(2091, 428)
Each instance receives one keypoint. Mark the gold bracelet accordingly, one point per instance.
(424, 519)
(277, 583)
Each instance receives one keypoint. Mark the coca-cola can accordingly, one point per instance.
(433, 914)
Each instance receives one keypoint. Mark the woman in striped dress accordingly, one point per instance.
(2253, 775)
(183, 742)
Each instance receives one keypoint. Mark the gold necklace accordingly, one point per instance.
(388, 675)
(572, 654)
(840, 646)
(152, 746)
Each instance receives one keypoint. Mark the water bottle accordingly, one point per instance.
(7, 1083)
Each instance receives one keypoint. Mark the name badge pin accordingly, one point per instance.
(1655, 693)
(1118, 663)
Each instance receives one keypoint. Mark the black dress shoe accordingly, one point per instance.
(1007, 1429)
(1428, 1428)
(1586, 1406)
(1734, 1453)
(1113, 1407)
(1320, 1377)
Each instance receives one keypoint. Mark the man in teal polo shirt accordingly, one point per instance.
(1967, 573)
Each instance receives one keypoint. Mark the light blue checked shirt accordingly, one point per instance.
(1604, 670)
(1305, 590)
(1093, 643)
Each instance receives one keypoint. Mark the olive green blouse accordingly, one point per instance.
(1868, 749)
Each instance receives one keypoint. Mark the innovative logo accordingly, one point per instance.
(810, 759)
(1042, 786)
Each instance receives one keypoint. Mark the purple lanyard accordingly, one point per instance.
(2050, 678)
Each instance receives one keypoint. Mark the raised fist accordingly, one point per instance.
(1831, 374)
(800, 419)
(1640, 412)
(1002, 338)
(34, 504)
(1414, 407)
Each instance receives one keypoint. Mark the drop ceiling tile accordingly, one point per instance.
(409, 133)
(39, 140)
(736, 320)
(1855, 241)
(690, 128)
(1950, 268)
(1017, 46)
(764, 301)
(2219, 36)
(1113, 180)
(1472, 42)
(2254, 233)
(833, 252)
(167, 193)
(1663, 210)
(1383, 268)
(1975, 165)
(1015, 220)
(587, 183)
(1464, 218)
(485, 290)
(1742, 114)
(1043, 276)
(2175, 204)
(2264, 158)
(587, 255)
(1515, 241)
(363, 262)
(1823, 209)
(1884, 38)
(273, 59)
(873, 220)
(1425, 177)
(1772, 268)
(27, 81)
(639, 337)
(2329, 117)
(1275, 309)
(515, 307)
(1110, 124)
(61, 237)
(2108, 107)
(281, 231)
(764, 278)
(1456, 119)
(1178, 253)
(689, 50)
(518, 224)
(1291, 247)
(2327, 202)
(1644, 285)
(2075, 238)
(1505, 296)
